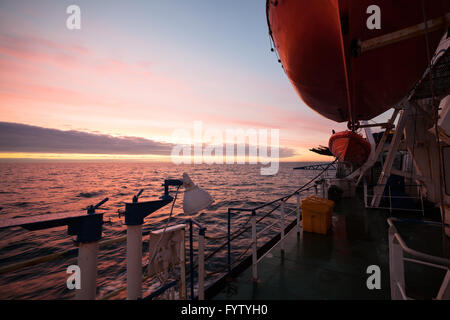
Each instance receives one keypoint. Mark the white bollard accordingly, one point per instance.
(396, 266)
(87, 261)
(134, 262)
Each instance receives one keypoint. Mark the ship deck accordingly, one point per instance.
(334, 266)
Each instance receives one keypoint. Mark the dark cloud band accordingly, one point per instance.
(15, 137)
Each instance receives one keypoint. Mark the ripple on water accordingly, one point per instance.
(79, 185)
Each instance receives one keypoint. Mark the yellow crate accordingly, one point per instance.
(316, 214)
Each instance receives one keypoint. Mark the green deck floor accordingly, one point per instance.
(329, 266)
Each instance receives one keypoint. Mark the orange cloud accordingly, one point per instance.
(56, 85)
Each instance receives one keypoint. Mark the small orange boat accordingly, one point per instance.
(350, 147)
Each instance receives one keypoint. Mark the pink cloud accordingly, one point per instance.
(39, 50)
(68, 81)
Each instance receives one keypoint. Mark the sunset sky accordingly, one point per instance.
(142, 69)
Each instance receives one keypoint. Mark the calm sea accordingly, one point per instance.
(35, 188)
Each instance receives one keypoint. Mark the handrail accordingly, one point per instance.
(244, 228)
(386, 184)
(255, 221)
(287, 197)
(426, 257)
(390, 197)
(54, 256)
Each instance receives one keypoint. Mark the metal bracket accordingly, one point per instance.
(136, 212)
(405, 34)
(87, 227)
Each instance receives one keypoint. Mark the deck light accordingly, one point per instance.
(195, 198)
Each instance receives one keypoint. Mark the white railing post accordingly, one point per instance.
(134, 262)
(298, 213)
(282, 225)
(396, 266)
(254, 248)
(182, 289)
(201, 264)
(444, 291)
(87, 261)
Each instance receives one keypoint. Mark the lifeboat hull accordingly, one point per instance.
(349, 147)
(315, 42)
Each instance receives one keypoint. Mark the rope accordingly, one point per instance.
(271, 40)
(164, 231)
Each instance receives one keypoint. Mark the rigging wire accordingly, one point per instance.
(436, 113)
(164, 230)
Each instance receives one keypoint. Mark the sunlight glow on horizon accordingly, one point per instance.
(138, 74)
(131, 157)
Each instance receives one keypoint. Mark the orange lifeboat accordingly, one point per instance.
(344, 70)
(349, 147)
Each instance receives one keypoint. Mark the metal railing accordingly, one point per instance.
(201, 259)
(281, 221)
(279, 203)
(390, 197)
(73, 252)
(200, 265)
(397, 248)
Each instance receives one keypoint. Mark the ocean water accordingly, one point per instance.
(35, 188)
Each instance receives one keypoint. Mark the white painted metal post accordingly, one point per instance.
(134, 262)
(201, 264)
(396, 266)
(254, 248)
(182, 293)
(87, 261)
(444, 291)
(298, 213)
(372, 159)
(282, 225)
(393, 147)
